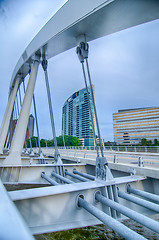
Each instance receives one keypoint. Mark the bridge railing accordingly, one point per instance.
(150, 149)
(133, 158)
(138, 158)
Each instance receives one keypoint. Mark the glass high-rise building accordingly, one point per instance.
(132, 125)
(76, 118)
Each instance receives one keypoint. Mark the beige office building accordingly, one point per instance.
(131, 125)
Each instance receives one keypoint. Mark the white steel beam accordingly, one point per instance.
(39, 208)
(11, 222)
(14, 156)
(94, 18)
(8, 113)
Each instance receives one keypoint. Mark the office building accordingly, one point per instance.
(76, 119)
(102, 141)
(30, 127)
(132, 125)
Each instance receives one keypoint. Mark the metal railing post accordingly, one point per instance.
(115, 159)
(140, 161)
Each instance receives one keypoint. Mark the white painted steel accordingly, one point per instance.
(12, 225)
(94, 18)
(39, 208)
(50, 180)
(7, 116)
(56, 211)
(149, 159)
(147, 195)
(122, 149)
(144, 203)
(148, 222)
(62, 189)
(118, 227)
(14, 156)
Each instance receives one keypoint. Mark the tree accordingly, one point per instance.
(144, 142)
(76, 141)
(50, 143)
(34, 142)
(156, 142)
(42, 143)
(60, 141)
(149, 143)
(27, 143)
(69, 141)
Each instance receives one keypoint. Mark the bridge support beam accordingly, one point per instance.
(138, 217)
(7, 116)
(109, 221)
(14, 156)
(54, 183)
(12, 224)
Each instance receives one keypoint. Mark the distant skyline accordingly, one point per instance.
(124, 66)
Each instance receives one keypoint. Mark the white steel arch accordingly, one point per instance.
(94, 18)
(89, 18)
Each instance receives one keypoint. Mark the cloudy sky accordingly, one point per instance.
(124, 66)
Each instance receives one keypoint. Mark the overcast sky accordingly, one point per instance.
(124, 66)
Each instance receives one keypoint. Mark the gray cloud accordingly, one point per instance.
(124, 66)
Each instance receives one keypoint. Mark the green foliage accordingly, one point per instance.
(69, 141)
(27, 142)
(60, 141)
(76, 142)
(42, 143)
(144, 142)
(50, 143)
(34, 142)
(156, 142)
(149, 143)
(88, 233)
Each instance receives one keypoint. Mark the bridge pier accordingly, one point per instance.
(14, 156)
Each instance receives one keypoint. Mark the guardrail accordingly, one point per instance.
(133, 158)
(140, 159)
(138, 149)
(151, 149)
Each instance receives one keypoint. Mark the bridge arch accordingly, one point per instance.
(91, 19)
(94, 18)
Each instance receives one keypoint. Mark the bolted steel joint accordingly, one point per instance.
(101, 164)
(84, 49)
(44, 64)
(79, 53)
(29, 71)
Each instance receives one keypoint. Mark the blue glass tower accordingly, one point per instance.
(76, 119)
